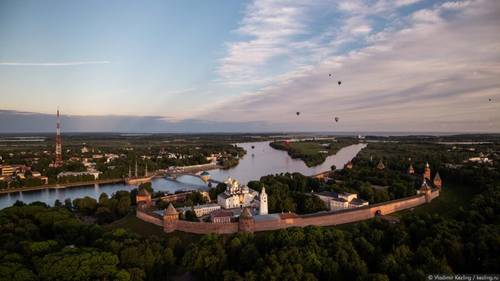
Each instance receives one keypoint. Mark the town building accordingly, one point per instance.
(235, 195)
(7, 170)
(92, 173)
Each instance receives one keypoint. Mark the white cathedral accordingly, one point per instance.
(237, 196)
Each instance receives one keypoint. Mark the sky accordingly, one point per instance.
(249, 66)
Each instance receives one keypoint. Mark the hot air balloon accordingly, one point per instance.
(340, 82)
(336, 119)
(298, 113)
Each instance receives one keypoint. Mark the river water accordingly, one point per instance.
(260, 161)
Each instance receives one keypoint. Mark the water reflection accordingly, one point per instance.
(265, 161)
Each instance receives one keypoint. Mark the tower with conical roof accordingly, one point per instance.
(380, 165)
(427, 171)
(411, 171)
(437, 181)
(246, 222)
(263, 202)
(170, 217)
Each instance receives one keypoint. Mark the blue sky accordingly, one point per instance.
(406, 65)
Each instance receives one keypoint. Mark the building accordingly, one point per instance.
(143, 196)
(235, 195)
(66, 174)
(221, 216)
(205, 209)
(340, 201)
(411, 171)
(380, 165)
(263, 202)
(348, 165)
(205, 176)
(7, 170)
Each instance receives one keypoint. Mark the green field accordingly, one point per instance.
(142, 228)
(450, 199)
(312, 153)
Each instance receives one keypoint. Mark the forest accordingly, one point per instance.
(51, 243)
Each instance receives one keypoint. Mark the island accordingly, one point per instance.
(313, 151)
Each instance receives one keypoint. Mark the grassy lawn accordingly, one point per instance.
(131, 223)
(451, 198)
(142, 228)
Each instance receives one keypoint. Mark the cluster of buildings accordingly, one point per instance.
(340, 201)
(230, 203)
(22, 172)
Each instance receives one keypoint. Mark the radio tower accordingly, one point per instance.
(58, 161)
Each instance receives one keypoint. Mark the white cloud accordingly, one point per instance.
(419, 77)
(455, 5)
(68, 63)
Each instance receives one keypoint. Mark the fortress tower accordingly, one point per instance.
(437, 181)
(170, 217)
(411, 171)
(427, 171)
(246, 222)
(263, 202)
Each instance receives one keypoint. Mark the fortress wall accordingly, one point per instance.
(341, 217)
(398, 205)
(206, 227)
(149, 218)
(269, 225)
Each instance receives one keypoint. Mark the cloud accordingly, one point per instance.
(422, 71)
(68, 63)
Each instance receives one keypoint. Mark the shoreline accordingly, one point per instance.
(60, 186)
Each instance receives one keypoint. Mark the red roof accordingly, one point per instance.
(221, 213)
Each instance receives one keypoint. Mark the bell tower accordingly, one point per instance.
(263, 202)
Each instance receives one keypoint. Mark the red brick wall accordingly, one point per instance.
(206, 227)
(323, 219)
(149, 218)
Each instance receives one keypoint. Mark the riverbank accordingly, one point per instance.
(60, 185)
(313, 153)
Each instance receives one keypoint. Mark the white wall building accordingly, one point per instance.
(236, 196)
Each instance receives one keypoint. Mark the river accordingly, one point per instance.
(260, 161)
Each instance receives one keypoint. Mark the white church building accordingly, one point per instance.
(236, 195)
